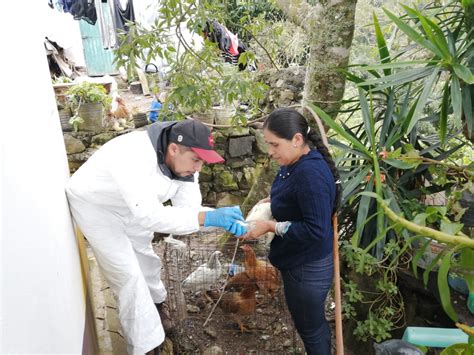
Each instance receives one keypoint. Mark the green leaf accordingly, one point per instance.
(467, 108)
(418, 255)
(393, 204)
(382, 45)
(434, 212)
(338, 129)
(367, 117)
(428, 84)
(463, 73)
(450, 228)
(413, 34)
(456, 99)
(431, 266)
(443, 115)
(443, 286)
(347, 149)
(403, 77)
(467, 263)
(354, 183)
(435, 35)
(400, 64)
(420, 219)
(393, 138)
(458, 349)
(364, 205)
(400, 164)
(387, 120)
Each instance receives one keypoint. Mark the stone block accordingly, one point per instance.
(224, 181)
(239, 162)
(235, 131)
(260, 144)
(227, 199)
(205, 174)
(240, 146)
(102, 138)
(73, 145)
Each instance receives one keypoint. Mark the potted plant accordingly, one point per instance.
(88, 101)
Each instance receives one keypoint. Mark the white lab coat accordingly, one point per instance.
(116, 199)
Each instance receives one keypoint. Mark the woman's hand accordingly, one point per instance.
(257, 229)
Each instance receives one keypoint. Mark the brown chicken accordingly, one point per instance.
(237, 304)
(263, 273)
(120, 110)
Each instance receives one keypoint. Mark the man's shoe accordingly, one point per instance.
(166, 322)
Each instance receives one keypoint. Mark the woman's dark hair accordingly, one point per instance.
(286, 122)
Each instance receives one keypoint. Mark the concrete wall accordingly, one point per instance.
(42, 294)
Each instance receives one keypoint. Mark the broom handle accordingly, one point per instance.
(337, 289)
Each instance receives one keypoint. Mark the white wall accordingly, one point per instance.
(42, 295)
(63, 29)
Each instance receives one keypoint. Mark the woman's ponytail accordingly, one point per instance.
(318, 143)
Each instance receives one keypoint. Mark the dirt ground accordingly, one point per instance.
(136, 102)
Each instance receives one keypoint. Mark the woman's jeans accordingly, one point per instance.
(306, 288)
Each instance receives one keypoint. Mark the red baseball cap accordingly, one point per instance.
(198, 137)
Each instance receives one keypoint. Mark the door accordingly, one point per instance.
(99, 61)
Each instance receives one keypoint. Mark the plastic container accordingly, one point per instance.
(154, 110)
(457, 283)
(434, 337)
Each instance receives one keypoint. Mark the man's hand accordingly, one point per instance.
(227, 218)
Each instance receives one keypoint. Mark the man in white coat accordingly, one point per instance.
(116, 199)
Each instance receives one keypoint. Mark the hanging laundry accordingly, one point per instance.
(106, 24)
(82, 10)
(67, 5)
(227, 42)
(122, 15)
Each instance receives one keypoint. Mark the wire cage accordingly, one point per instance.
(213, 306)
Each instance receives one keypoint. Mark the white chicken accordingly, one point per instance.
(261, 211)
(205, 275)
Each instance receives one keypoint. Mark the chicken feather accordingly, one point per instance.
(237, 304)
(262, 272)
(205, 275)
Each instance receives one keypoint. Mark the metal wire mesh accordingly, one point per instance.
(192, 296)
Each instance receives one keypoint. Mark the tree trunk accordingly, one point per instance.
(261, 188)
(330, 25)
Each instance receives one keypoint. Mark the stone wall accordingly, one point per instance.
(244, 149)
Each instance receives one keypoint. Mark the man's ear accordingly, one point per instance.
(173, 149)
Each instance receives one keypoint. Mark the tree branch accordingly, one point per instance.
(425, 231)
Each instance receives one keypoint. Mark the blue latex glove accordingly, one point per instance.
(238, 228)
(225, 217)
